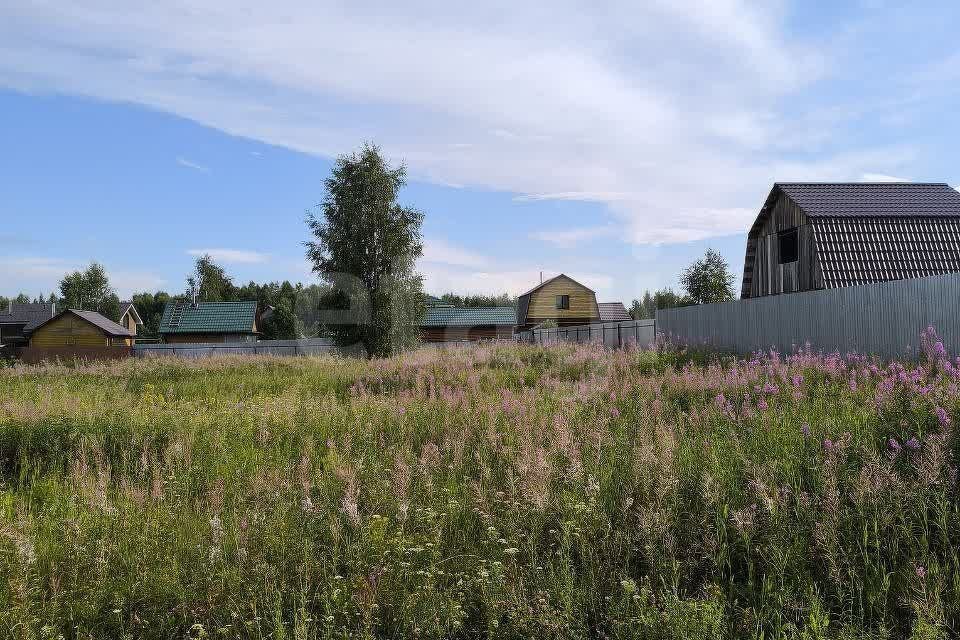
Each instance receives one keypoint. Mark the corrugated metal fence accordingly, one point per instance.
(307, 347)
(611, 334)
(883, 319)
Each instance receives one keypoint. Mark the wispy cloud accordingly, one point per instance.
(676, 151)
(568, 238)
(439, 251)
(41, 274)
(183, 162)
(881, 177)
(232, 256)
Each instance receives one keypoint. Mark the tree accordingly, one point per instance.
(365, 246)
(90, 290)
(646, 307)
(150, 307)
(212, 282)
(479, 300)
(708, 279)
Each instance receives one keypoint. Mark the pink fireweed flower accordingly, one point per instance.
(614, 412)
(805, 430)
(797, 380)
(942, 417)
(762, 404)
(771, 389)
(893, 445)
(828, 444)
(912, 444)
(921, 572)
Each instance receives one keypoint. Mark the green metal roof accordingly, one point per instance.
(468, 316)
(210, 317)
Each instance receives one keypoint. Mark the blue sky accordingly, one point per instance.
(612, 143)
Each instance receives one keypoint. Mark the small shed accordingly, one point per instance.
(183, 321)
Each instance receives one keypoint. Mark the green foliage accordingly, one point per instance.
(708, 280)
(90, 290)
(150, 307)
(365, 246)
(646, 307)
(489, 491)
(211, 282)
(478, 300)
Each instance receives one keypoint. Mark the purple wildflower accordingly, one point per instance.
(828, 444)
(894, 445)
(912, 444)
(921, 572)
(762, 404)
(797, 380)
(805, 430)
(942, 417)
(614, 412)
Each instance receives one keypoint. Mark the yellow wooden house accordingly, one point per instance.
(81, 329)
(560, 299)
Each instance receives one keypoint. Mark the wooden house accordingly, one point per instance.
(77, 328)
(446, 323)
(560, 299)
(826, 235)
(129, 317)
(19, 320)
(184, 321)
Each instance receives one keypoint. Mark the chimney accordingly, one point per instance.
(541, 277)
(53, 309)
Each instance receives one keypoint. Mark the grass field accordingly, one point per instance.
(491, 491)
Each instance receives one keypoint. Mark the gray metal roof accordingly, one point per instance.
(873, 199)
(106, 325)
(28, 314)
(613, 312)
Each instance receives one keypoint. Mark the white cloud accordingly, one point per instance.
(231, 256)
(39, 274)
(569, 238)
(557, 101)
(439, 251)
(440, 279)
(183, 162)
(881, 177)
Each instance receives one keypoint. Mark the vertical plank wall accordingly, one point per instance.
(883, 319)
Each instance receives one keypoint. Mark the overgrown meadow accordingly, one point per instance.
(491, 491)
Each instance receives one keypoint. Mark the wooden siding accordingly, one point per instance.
(543, 304)
(70, 330)
(770, 277)
(461, 334)
(129, 323)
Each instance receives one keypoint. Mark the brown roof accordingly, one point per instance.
(613, 312)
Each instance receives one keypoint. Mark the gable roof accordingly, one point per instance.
(467, 316)
(106, 325)
(523, 300)
(210, 317)
(31, 315)
(613, 312)
(127, 307)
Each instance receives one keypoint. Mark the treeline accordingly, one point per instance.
(502, 300)
(706, 281)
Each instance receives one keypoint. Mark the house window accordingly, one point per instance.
(563, 302)
(788, 244)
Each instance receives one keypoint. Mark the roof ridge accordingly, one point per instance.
(919, 184)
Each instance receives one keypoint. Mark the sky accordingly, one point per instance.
(611, 141)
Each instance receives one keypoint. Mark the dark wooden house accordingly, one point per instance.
(18, 320)
(827, 235)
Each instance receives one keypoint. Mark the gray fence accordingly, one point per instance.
(307, 347)
(611, 334)
(882, 319)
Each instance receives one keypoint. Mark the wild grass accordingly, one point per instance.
(481, 492)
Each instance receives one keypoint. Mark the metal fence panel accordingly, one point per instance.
(883, 319)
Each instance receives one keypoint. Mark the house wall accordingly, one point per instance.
(189, 338)
(583, 304)
(459, 334)
(770, 277)
(71, 331)
(129, 323)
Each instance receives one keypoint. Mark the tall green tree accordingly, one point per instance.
(708, 280)
(90, 290)
(211, 281)
(365, 245)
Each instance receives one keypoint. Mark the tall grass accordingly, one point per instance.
(489, 491)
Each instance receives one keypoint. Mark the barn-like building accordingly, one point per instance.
(827, 235)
